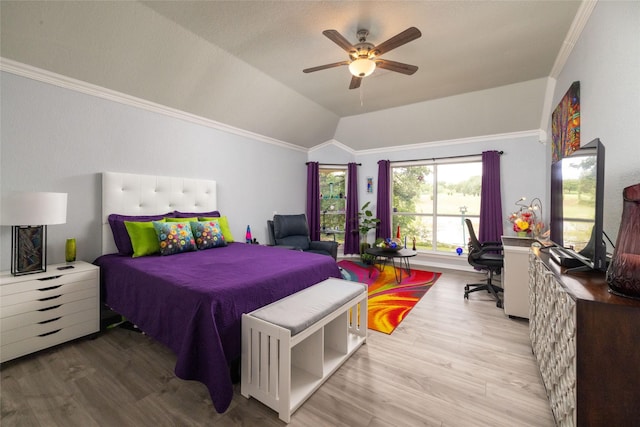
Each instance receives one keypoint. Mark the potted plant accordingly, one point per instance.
(367, 222)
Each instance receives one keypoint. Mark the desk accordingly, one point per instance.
(402, 254)
(515, 277)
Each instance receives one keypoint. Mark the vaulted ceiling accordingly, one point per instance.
(241, 62)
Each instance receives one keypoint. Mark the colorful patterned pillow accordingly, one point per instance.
(224, 227)
(207, 234)
(174, 237)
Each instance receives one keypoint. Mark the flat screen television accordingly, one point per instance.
(577, 206)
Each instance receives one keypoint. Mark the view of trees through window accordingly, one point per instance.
(332, 203)
(578, 200)
(431, 202)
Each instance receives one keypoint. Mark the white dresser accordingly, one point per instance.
(41, 310)
(515, 275)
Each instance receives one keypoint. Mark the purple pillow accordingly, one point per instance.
(178, 214)
(120, 234)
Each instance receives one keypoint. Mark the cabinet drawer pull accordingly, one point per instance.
(50, 298)
(50, 320)
(53, 307)
(49, 288)
(50, 333)
(50, 278)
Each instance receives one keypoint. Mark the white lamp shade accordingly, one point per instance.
(34, 209)
(362, 67)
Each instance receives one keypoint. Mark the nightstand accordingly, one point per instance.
(41, 310)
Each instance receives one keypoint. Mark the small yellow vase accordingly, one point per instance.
(70, 250)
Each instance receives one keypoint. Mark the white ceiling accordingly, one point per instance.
(240, 63)
(465, 45)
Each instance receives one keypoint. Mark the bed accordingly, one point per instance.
(193, 302)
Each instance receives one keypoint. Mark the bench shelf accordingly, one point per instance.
(282, 370)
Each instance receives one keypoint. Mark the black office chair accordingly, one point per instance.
(292, 231)
(484, 256)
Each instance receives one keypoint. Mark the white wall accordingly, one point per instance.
(56, 139)
(606, 61)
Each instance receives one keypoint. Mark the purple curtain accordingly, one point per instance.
(351, 233)
(383, 202)
(313, 200)
(491, 199)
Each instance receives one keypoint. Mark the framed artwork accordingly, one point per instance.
(28, 255)
(369, 184)
(565, 124)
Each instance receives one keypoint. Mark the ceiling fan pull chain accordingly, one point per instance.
(361, 97)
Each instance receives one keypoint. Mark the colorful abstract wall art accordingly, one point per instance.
(565, 124)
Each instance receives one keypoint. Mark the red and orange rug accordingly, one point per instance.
(389, 303)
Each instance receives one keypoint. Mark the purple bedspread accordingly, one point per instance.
(193, 302)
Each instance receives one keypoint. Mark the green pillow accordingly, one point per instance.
(224, 226)
(144, 239)
(181, 219)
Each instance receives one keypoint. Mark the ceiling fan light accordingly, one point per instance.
(362, 67)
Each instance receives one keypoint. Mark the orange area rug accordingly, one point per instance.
(389, 302)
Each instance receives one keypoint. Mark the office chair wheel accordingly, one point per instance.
(499, 304)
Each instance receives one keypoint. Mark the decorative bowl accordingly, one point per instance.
(389, 245)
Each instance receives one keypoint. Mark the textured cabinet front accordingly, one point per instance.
(553, 339)
(44, 309)
(582, 337)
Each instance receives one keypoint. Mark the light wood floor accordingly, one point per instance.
(450, 363)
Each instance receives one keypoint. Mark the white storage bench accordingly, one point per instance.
(290, 347)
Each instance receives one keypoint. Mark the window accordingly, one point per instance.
(332, 203)
(432, 199)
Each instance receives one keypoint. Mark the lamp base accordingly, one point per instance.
(28, 249)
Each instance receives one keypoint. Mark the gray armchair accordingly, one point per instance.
(292, 231)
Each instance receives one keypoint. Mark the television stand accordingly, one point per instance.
(565, 259)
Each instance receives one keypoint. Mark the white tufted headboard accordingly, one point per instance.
(132, 194)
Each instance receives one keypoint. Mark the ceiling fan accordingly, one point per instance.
(364, 56)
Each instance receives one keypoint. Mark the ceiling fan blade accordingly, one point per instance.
(355, 82)
(338, 39)
(324, 67)
(398, 40)
(398, 67)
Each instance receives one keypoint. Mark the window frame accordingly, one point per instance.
(338, 237)
(434, 163)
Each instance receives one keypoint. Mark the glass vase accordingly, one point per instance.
(623, 274)
(70, 250)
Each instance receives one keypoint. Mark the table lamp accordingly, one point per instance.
(28, 214)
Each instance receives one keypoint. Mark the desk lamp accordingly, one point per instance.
(28, 214)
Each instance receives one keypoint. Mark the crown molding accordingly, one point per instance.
(38, 74)
(333, 143)
(578, 24)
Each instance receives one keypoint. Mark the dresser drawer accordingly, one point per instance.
(46, 297)
(47, 327)
(46, 314)
(26, 346)
(48, 282)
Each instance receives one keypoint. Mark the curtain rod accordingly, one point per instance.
(441, 158)
(334, 164)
